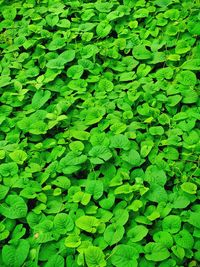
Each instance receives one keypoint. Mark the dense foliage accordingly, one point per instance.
(99, 138)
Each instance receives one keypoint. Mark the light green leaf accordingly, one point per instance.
(95, 188)
(124, 256)
(189, 188)
(164, 238)
(72, 241)
(156, 252)
(103, 29)
(105, 85)
(120, 141)
(87, 223)
(3, 191)
(63, 223)
(15, 255)
(101, 152)
(192, 64)
(56, 43)
(137, 233)
(132, 157)
(146, 147)
(40, 98)
(75, 71)
(55, 260)
(113, 234)
(19, 156)
(156, 130)
(141, 53)
(14, 207)
(184, 239)
(171, 224)
(124, 189)
(94, 257)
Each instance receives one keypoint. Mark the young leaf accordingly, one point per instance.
(124, 256)
(171, 224)
(40, 98)
(95, 188)
(14, 207)
(113, 234)
(63, 223)
(184, 239)
(137, 233)
(94, 257)
(103, 29)
(55, 260)
(19, 156)
(120, 141)
(156, 252)
(15, 255)
(87, 223)
(189, 188)
(140, 52)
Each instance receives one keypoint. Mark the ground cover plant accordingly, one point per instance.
(99, 137)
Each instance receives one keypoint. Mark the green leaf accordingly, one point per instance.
(171, 224)
(75, 71)
(83, 198)
(124, 256)
(14, 207)
(105, 85)
(137, 233)
(9, 13)
(72, 159)
(40, 98)
(187, 77)
(179, 252)
(140, 52)
(61, 60)
(120, 141)
(55, 260)
(63, 223)
(120, 217)
(103, 29)
(94, 257)
(189, 188)
(19, 156)
(184, 239)
(15, 255)
(95, 188)
(87, 223)
(5, 80)
(124, 189)
(113, 234)
(194, 219)
(8, 169)
(3, 191)
(57, 63)
(163, 3)
(146, 147)
(100, 152)
(56, 43)
(94, 115)
(192, 64)
(132, 157)
(43, 231)
(154, 175)
(163, 238)
(156, 252)
(156, 130)
(181, 202)
(72, 241)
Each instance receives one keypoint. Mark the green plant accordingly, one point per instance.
(99, 133)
